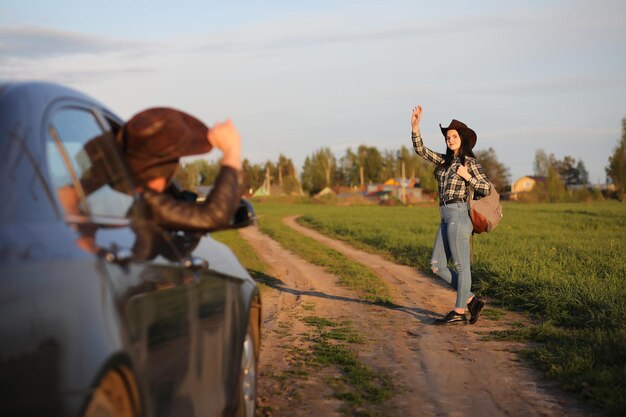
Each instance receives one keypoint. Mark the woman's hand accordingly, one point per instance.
(416, 118)
(225, 137)
(463, 172)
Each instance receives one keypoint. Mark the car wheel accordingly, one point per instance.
(247, 389)
(116, 396)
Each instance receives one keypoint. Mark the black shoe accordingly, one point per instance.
(475, 307)
(452, 317)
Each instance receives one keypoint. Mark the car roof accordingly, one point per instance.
(24, 102)
(44, 89)
(24, 108)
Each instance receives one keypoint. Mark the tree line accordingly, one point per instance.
(367, 164)
(567, 179)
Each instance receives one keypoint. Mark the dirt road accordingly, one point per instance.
(437, 370)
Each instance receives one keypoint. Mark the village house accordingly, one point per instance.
(524, 185)
(392, 188)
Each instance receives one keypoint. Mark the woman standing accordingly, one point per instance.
(455, 171)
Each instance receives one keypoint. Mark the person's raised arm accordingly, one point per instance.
(416, 138)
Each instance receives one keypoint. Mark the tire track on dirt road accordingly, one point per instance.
(441, 371)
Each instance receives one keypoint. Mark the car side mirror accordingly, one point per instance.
(244, 215)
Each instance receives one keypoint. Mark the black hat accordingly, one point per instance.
(465, 132)
(154, 139)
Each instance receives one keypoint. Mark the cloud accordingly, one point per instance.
(553, 85)
(70, 70)
(29, 52)
(305, 32)
(556, 134)
(38, 42)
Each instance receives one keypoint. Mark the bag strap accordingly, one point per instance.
(469, 211)
(471, 195)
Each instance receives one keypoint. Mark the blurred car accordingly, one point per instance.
(103, 313)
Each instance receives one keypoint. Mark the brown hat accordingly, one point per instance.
(465, 132)
(154, 139)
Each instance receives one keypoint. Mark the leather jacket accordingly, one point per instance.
(214, 213)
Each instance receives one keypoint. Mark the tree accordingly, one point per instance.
(418, 167)
(286, 174)
(572, 172)
(498, 174)
(319, 171)
(207, 171)
(187, 177)
(199, 172)
(364, 166)
(283, 173)
(583, 175)
(348, 170)
(555, 187)
(255, 174)
(566, 169)
(542, 163)
(372, 163)
(616, 169)
(391, 166)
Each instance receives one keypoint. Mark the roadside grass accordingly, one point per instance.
(492, 313)
(362, 389)
(565, 264)
(247, 256)
(367, 284)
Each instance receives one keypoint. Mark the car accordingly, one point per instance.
(102, 312)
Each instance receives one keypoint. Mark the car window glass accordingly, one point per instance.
(63, 182)
(80, 150)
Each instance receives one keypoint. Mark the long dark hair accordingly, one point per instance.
(464, 151)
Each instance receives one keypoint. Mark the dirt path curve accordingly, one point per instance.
(440, 371)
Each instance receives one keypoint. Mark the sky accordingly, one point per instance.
(298, 76)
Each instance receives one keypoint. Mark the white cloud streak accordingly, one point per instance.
(37, 42)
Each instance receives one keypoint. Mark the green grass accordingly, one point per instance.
(362, 389)
(247, 256)
(352, 275)
(330, 344)
(565, 264)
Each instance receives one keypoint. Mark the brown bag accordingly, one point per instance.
(485, 213)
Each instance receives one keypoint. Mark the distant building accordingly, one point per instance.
(325, 192)
(392, 188)
(524, 185)
(265, 191)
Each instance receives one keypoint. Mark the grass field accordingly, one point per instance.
(563, 263)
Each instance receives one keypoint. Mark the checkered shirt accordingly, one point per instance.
(451, 185)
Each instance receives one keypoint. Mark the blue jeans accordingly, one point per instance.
(453, 242)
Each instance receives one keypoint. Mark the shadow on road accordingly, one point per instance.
(420, 314)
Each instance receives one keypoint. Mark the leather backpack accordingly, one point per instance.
(485, 213)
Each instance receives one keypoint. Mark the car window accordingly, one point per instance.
(85, 166)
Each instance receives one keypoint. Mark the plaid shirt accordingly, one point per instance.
(451, 185)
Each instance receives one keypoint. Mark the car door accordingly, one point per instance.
(144, 268)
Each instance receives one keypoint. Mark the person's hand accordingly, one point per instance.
(225, 137)
(416, 117)
(69, 199)
(463, 172)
